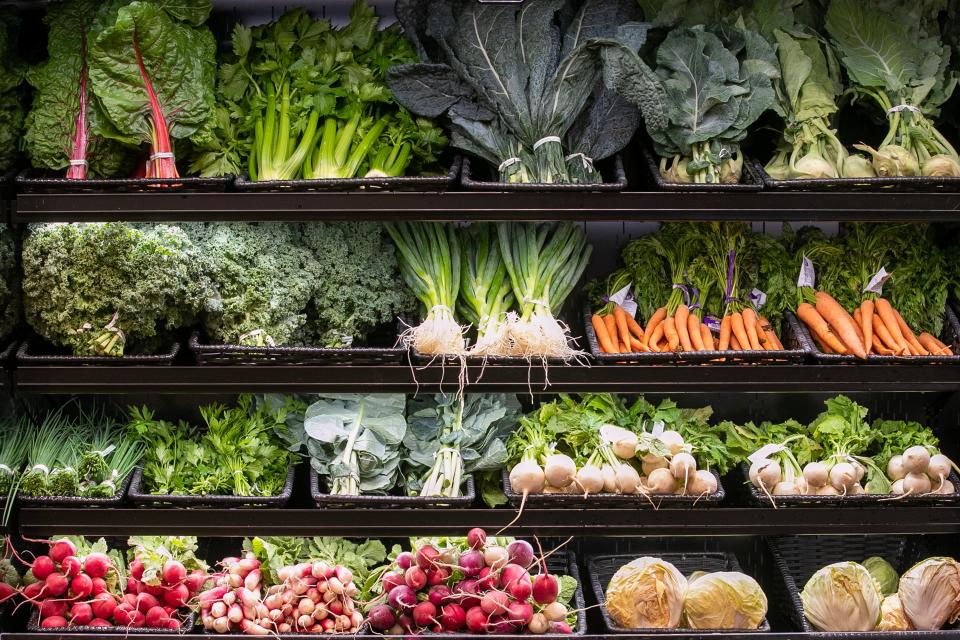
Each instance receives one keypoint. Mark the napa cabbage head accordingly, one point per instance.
(724, 600)
(647, 593)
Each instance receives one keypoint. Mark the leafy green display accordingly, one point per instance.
(238, 451)
(65, 112)
(101, 288)
(152, 68)
(300, 98)
(12, 70)
(520, 84)
(896, 60)
(709, 86)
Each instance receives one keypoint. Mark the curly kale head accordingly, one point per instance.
(259, 280)
(358, 285)
(78, 277)
(10, 305)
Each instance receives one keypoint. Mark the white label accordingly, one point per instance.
(658, 428)
(877, 281)
(808, 275)
(758, 298)
(625, 299)
(765, 452)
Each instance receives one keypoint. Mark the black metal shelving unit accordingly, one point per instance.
(459, 205)
(513, 379)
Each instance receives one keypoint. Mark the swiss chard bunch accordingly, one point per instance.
(520, 85)
(897, 62)
(709, 87)
(239, 451)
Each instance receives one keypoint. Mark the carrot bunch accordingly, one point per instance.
(874, 328)
(618, 332)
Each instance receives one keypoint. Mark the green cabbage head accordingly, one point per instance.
(725, 600)
(842, 597)
(884, 573)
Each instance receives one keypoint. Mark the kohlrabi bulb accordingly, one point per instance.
(814, 166)
(856, 166)
(941, 166)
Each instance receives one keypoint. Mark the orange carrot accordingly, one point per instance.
(633, 325)
(603, 338)
(866, 313)
(841, 322)
(693, 328)
(620, 319)
(771, 334)
(670, 333)
(654, 338)
(680, 321)
(706, 336)
(657, 317)
(934, 346)
(734, 343)
(823, 347)
(886, 313)
(881, 350)
(638, 346)
(820, 327)
(881, 331)
(750, 326)
(725, 330)
(908, 333)
(739, 331)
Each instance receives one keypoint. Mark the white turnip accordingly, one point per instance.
(658, 462)
(765, 474)
(945, 488)
(826, 490)
(916, 459)
(628, 480)
(786, 488)
(661, 481)
(673, 440)
(916, 483)
(625, 447)
(816, 474)
(702, 483)
(895, 470)
(590, 479)
(897, 487)
(559, 470)
(609, 479)
(682, 466)
(842, 475)
(939, 467)
(527, 477)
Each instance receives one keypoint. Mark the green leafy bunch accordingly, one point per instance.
(155, 551)
(239, 451)
(300, 98)
(12, 94)
(109, 288)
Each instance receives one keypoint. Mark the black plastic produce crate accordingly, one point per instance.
(186, 626)
(950, 336)
(759, 498)
(232, 354)
(795, 351)
(749, 181)
(797, 558)
(78, 501)
(610, 500)
(903, 183)
(44, 358)
(612, 171)
(35, 181)
(440, 182)
(324, 500)
(141, 499)
(602, 568)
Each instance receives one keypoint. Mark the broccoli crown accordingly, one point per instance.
(9, 282)
(358, 285)
(78, 276)
(259, 276)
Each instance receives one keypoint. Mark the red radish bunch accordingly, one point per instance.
(312, 598)
(496, 595)
(79, 591)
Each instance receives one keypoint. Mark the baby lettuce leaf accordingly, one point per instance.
(144, 47)
(63, 100)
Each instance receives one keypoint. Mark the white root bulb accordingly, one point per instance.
(673, 440)
(683, 466)
(625, 447)
(815, 473)
(917, 484)
(765, 474)
(628, 480)
(786, 488)
(658, 462)
(661, 481)
(590, 479)
(559, 470)
(527, 477)
(609, 479)
(895, 470)
(842, 475)
(916, 459)
(897, 487)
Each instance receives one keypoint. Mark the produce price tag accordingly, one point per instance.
(877, 281)
(758, 298)
(625, 299)
(765, 452)
(808, 275)
(658, 428)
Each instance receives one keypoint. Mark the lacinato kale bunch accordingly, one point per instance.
(521, 84)
(65, 117)
(10, 300)
(110, 288)
(299, 98)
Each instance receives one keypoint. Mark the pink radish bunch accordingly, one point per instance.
(481, 588)
(311, 598)
(83, 591)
